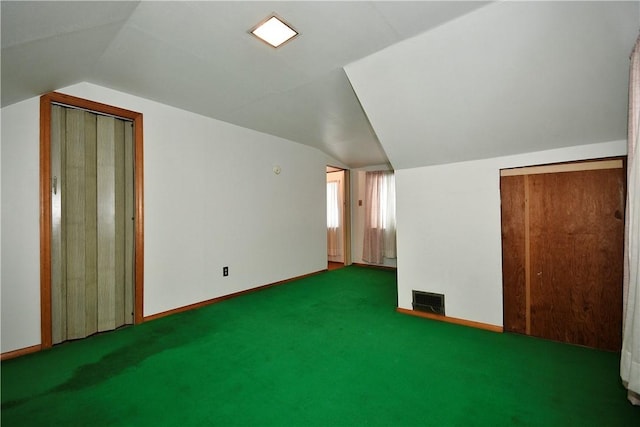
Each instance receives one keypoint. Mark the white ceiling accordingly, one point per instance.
(200, 57)
(440, 81)
(509, 78)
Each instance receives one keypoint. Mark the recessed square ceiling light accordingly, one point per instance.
(274, 31)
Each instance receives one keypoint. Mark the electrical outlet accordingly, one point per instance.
(225, 271)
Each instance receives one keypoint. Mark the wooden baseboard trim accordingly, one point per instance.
(463, 322)
(20, 352)
(226, 297)
(35, 348)
(376, 266)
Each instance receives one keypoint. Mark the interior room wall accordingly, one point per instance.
(449, 229)
(357, 214)
(19, 268)
(505, 79)
(211, 200)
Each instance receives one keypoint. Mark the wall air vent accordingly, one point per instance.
(428, 302)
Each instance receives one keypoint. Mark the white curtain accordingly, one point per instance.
(380, 217)
(389, 218)
(334, 220)
(630, 356)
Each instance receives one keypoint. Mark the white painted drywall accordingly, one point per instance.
(211, 200)
(449, 230)
(507, 78)
(20, 262)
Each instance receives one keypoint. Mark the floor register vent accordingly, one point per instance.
(428, 302)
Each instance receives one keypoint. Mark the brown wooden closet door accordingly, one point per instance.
(512, 189)
(572, 227)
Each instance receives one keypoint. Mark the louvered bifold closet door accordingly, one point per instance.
(92, 223)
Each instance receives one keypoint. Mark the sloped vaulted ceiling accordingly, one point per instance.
(439, 81)
(199, 56)
(511, 77)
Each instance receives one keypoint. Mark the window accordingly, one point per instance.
(333, 211)
(380, 217)
(334, 220)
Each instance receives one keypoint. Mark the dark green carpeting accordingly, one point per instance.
(328, 350)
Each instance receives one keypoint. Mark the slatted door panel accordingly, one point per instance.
(562, 255)
(78, 194)
(128, 222)
(115, 223)
(107, 265)
(92, 269)
(58, 254)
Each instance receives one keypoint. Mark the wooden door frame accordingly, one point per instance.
(45, 202)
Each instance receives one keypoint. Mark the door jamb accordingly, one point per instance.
(45, 202)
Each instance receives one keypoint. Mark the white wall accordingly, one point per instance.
(449, 230)
(508, 78)
(211, 200)
(19, 267)
(357, 214)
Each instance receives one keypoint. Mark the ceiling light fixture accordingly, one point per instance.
(274, 31)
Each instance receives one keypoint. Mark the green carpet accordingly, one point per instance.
(327, 350)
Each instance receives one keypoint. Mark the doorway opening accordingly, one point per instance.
(85, 174)
(338, 218)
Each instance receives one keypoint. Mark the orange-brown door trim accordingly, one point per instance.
(45, 202)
